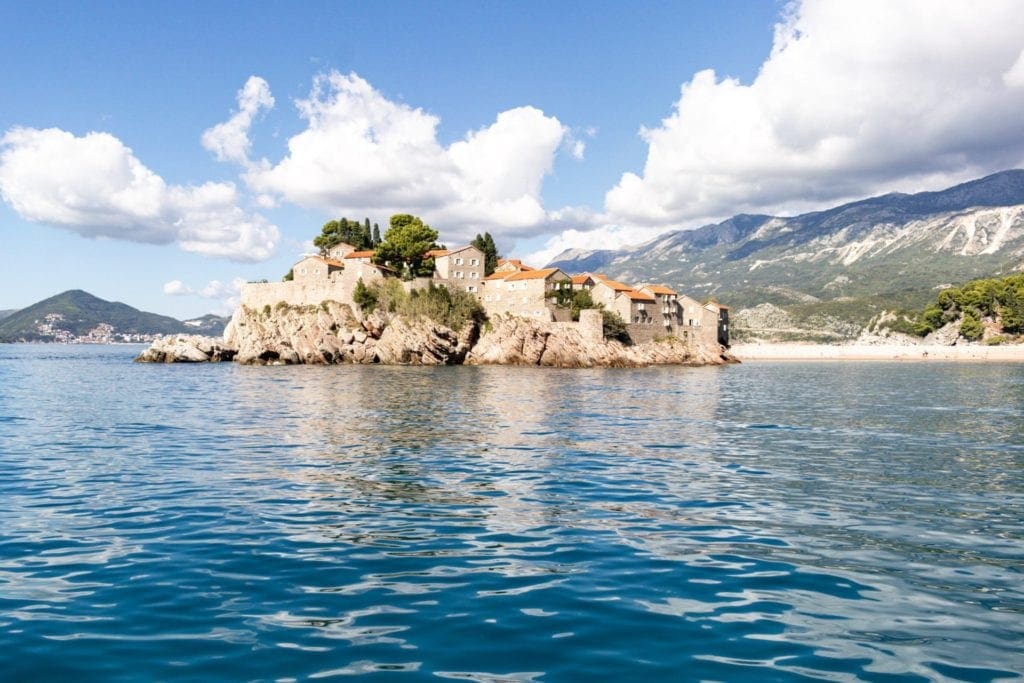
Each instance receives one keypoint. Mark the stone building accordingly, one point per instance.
(313, 268)
(525, 293)
(461, 268)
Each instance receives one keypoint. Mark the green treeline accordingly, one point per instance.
(1000, 299)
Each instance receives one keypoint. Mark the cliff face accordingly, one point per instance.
(517, 341)
(332, 333)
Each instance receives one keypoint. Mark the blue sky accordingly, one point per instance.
(132, 167)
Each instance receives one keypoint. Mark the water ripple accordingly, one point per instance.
(764, 522)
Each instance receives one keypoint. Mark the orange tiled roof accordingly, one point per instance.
(541, 274)
(717, 305)
(360, 254)
(639, 296)
(501, 275)
(515, 263)
(617, 286)
(659, 289)
(328, 261)
(434, 253)
(580, 279)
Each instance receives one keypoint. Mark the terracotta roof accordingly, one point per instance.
(715, 304)
(659, 289)
(514, 263)
(328, 261)
(360, 254)
(501, 275)
(639, 296)
(617, 286)
(580, 279)
(542, 274)
(434, 253)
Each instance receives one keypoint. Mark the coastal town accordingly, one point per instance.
(649, 311)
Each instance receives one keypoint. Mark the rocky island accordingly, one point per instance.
(406, 300)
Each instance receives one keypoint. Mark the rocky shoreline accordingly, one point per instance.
(332, 333)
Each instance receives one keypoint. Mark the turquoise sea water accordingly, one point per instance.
(763, 522)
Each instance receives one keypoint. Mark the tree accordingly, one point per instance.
(335, 232)
(364, 297)
(376, 235)
(405, 243)
(289, 276)
(971, 328)
(485, 243)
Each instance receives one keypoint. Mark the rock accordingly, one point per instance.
(187, 349)
(310, 335)
(518, 341)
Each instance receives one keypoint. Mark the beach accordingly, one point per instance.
(887, 352)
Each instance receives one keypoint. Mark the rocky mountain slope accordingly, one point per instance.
(824, 275)
(79, 316)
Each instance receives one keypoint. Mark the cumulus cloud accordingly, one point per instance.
(229, 141)
(95, 186)
(177, 288)
(855, 98)
(227, 293)
(362, 154)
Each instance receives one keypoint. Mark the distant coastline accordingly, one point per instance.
(878, 352)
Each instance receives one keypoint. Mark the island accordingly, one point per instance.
(405, 299)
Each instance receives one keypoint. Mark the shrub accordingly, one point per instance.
(364, 297)
(614, 327)
(971, 328)
(996, 340)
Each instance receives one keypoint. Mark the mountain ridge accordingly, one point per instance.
(836, 268)
(77, 315)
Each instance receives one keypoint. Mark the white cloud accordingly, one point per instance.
(226, 293)
(229, 141)
(95, 186)
(362, 154)
(177, 288)
(856, 98)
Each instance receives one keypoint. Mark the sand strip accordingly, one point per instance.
(1009, 353)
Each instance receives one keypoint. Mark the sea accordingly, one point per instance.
(785, 521)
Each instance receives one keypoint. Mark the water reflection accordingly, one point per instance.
(760, 522)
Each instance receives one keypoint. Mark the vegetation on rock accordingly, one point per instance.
(1000, 300)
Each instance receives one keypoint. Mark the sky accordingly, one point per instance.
(160, 154)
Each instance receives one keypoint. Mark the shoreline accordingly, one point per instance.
(877, 352)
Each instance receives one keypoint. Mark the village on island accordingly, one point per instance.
(508, 288)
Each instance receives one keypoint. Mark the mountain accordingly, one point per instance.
(824, 275)
(79, 316)
(209, 325)
(7, 312)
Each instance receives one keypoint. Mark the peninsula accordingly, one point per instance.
(405, 299)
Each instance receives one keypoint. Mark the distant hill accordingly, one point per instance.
(7, 312)
(79, 316)
(824, 275)
(209, 324)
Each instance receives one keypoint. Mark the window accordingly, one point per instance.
(470, 288)
(458, 261)
(459, 274)
(474, 262)
(474, 275)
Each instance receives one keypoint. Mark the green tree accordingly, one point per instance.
(614, 327)
(364, 297)
(376, 235)
(289, 276)
(405, 243)
(581, 300)
(335, 232)
(971, 328)
(485, 243)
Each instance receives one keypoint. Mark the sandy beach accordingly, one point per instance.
(886, 352)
